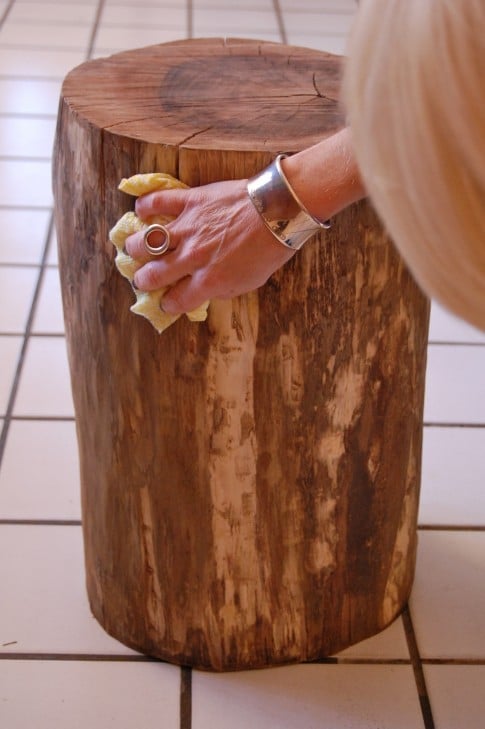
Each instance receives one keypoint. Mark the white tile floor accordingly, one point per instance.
(58, 667)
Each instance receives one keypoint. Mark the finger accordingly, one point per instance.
(163, 202)
(135, 247)
(155, 275)
(186, 295)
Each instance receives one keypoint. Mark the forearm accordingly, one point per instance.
(325, 177)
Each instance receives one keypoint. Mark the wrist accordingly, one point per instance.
(325, 177)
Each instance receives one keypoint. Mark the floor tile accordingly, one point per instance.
(62, 12)
(453, 476)
(43, 35)
(38, 63)
(227, 20)
(166, 4)
(145, 15)
(98, 695)
(46, 484)
(448, 599)
(25, 96)
(26, 137)
(457, 696)
(9, 355)
(49, 318)
(323, 22)
(335, 44)
(45, 388)
(350, 697)
(390, 644)
(63, 2)
(25, 183)
(128, 38)
(455, 384)
(229, 32)
(44, 607)
(104, 52)
(331, 6)
(249, 5)
(444, 327)
(17, 286)
(23, 236)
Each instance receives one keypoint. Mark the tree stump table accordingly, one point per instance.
(249, 484)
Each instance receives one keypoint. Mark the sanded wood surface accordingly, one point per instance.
(249, 484)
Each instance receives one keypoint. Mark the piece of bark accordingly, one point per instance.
(249, 484)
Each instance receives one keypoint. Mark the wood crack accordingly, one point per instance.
(195, 134)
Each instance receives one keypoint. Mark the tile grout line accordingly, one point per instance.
(40, 522)
(13, 264)
(94, 31)
(88, 657)
(39, 47)
(19, 158)
(43, 22)
(6, 13)
(429, 424)
(110, 26)
(444, 343)
(35, 335)
(451, 527)
(27, 208)
(186, 672)
(280, 21)
(453, 661)
(416, 662)
(190, 19)
(44, 418)
(26, 77)
(75, 522)
(26, 116)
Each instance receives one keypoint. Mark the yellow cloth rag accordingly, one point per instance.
(147, 303)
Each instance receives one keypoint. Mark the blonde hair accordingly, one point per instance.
(413, 88)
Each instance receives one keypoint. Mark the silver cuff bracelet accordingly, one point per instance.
(279, 207)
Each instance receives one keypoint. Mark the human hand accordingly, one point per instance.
(219, 246)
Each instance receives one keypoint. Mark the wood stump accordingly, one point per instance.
(249, 484)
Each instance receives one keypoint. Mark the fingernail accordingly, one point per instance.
(166, 306)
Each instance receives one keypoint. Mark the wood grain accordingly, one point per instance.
(249, 485)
